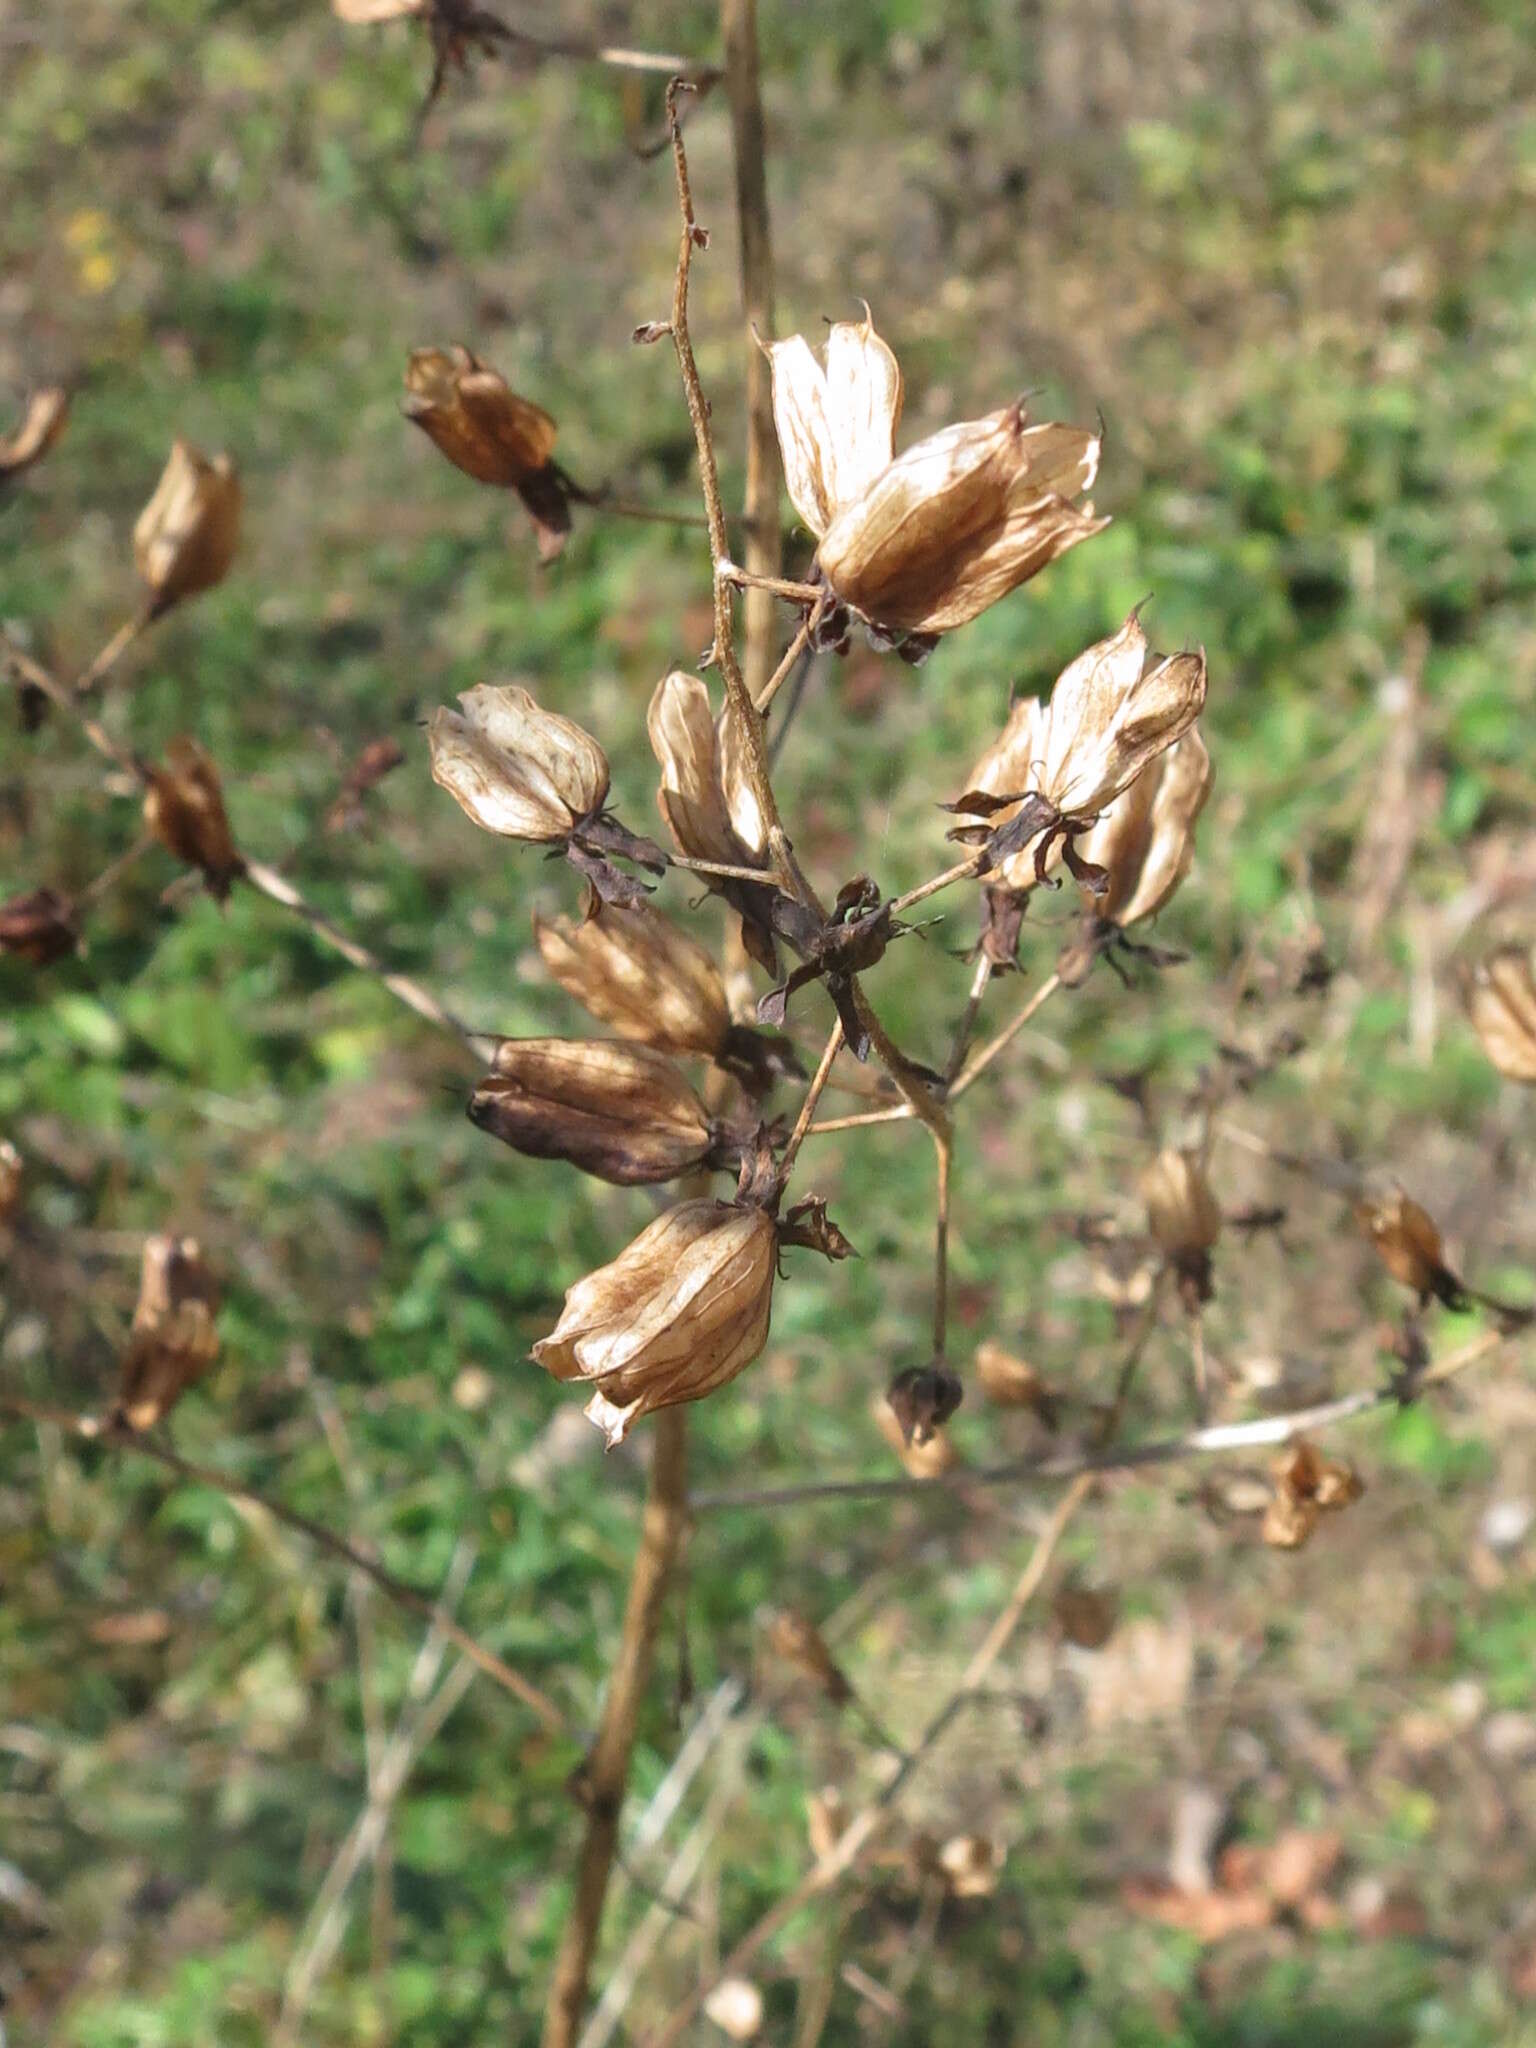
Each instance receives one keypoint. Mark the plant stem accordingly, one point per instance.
(943, 1145)
(606, 1770)
(812, 1096)
(979, 1062)
(90, 1429)
(112, 653)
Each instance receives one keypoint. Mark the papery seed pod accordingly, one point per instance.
(970, 1866)
(693, 800)
(38, 926)
(516, 769)
(184, 809)
(1339, 1485)
(930, 1459)
(471, 413)
(12, 1182)
(186, 536)
(1288, 1521)
(173, 1339)
(638, 972)
(826, 1815)
(920, 543)
(1086, 1615)
(42, 423)
(1011, 1382)
(1303, 1471)
(799, 1643)
(1408, 1243)
(677, 1314)
(1183, 1216)
(1012, 764)
(1501, 1003)
(1145, 841)
(622, 1112)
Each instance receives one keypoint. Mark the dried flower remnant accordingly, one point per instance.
(45, 418)
(928, 1460)
(186, 536)
(622, 1112)
(799, 1643)
(173, 1339)
(1501, 1003)
(678, 1313)
(12, 1181)
(184, 809)
(1145, 844)
(529, 774)
(708, 810)
(471, 413)
(1112, 712)
(637, 972)
(735, 2006)
(1307, 1485)
(38, 926)
(1184, 1218)
(970, 1866)
(919, 544)
(1407, 1240)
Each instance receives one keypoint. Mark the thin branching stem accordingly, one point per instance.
(795, 652)
(776, 586)
(92, 1429)
(812, 1095)
(944, 1152)
(980, 980)
(855, 1838)
(1221, 1439)
(112, 653)
(979, 1062)
(960, 872)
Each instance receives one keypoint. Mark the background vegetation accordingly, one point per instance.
(1289, 250)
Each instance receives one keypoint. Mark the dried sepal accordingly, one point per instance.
(1012, 1382)
(38, 926)
(677, 1314)
(1407, 1240)
(799, 1643)
(625, 1113)
(174, 1338)
(44, 420)
(853, 938)
(1306, 1485)
(471, 413)
(1501, 1003)
(1183, 1216)
(186, 536)
(184, 809)
(922, 1399)
(807, 1224)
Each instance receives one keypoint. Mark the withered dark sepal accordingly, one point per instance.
(853, 938)
(39, 927)
(1002, 924)
(923, 1398)
(808, 1225)
(596, 843)
(758, 1059)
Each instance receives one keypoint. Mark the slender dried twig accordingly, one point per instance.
(90, 1429)
(851, 1843)
(812, 1096)
(1220, 1440)
(944, 1149)
(979, 1062)
(103, 664)
(606, 1770)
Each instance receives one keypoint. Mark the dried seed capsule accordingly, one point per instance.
(1011, 1382)
(12, 1180)
(927, 1460)
(1501, 1002)
(184, 809)
(173, 1339)
(1183, 1216)
(42, 423)
(1145, 841)
(470, 412)
(706, 820)
(622, 1112)
(1408, 1243)
(922, 542)
(800, 1643)
(677, 1314)
(38, 926)
(922, 1399)
(186, 536)
(636, 971)
(517, 769)
(970, 1865)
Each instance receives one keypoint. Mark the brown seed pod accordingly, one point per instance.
(636, 971)
(677, 1314)
(1501, 1003)
(1407, 1240)
(516, 769)
(622, 1112)
(45, 418)
(38, 926)
(12, 1182)
(173, 1339)
(1183, 1216)
(186, 536)
(1009, 1381)
(799, 1643)
(184, 809)
(469, 411)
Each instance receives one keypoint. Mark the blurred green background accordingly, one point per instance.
(1289, 252)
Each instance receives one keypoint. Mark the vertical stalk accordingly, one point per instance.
(606, 1771)
(764, 548)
